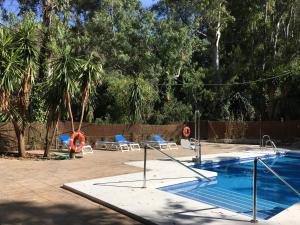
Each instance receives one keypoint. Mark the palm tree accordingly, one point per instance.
(8, 68)
(61, 87)
(91, 73)
(18, 68)
(26, 41)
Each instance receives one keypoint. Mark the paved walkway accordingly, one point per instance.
(31, 193)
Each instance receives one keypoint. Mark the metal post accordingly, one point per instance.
(197, 136)
(195, 127)
(254, 220)
(260, 132)
(278, 176)
(145, 165)
(175, 160)
(199, 153)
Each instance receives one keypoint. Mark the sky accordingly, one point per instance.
(12, 6)
(147, 3)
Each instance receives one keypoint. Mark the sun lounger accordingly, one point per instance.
(111, 146)
(122, 140)
(120, 144)
(158, 142)
(161, 141)
(65, 139)
(189, 144)
(102, 145)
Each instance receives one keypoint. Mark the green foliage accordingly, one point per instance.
(18, 64)
(174, 112)
(134, 97)
(118, 62)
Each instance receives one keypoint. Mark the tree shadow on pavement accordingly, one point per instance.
(30, 213)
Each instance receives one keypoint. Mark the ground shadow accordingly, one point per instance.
(30, 213)
(198, 216)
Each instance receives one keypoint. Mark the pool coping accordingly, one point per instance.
(125, 194)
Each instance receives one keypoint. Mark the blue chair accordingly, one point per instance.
(112, 145)
(120, 144)
(122, 140)
(158, 142)
(65, 139)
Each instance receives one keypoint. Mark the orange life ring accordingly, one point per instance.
(73, 140)
(186, 131)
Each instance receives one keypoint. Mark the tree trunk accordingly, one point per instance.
(70, 111)
(81, 116)
(49, 143)
(72, 153)
(20, 133)
(21, 144)
(216, 54)
(265, 37)
(85, 91)
(45, 54)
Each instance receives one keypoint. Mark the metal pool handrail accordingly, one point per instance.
(274, 147)
(269, 141)
(263, 138)
(257, 159)
(175, 160)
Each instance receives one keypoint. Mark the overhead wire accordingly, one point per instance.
(284, 74)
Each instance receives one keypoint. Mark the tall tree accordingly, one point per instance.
(91, 74)
(19, 63)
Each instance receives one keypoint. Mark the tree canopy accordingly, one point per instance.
(114, 61)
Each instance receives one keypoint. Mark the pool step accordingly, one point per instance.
(233, 201)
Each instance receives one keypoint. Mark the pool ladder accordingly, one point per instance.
(173, 159)
(256, 160)
(268, 142)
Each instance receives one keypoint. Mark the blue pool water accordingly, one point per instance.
(232, 188)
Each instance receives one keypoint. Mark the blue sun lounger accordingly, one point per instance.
(160, 143)
(171, 144)
(65, 139)
(122, 140)
(120, 144)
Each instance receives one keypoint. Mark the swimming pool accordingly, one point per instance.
(233, 189)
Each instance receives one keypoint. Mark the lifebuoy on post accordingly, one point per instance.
(75, 136)
(186, 131)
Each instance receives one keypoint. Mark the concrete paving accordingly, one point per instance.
(125, 193)
(31, 193)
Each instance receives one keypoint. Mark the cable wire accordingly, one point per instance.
(285, 74)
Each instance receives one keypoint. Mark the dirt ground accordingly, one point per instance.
(31, 193)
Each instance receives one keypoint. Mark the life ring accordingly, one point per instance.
(73, 140)
(186, 131)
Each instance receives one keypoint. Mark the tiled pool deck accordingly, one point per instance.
(31, 191)
(125, 194)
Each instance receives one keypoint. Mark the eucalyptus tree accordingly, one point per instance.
(19, 54)
(215, 19)
(263, 45)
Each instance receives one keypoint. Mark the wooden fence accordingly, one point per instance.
(246, 132)
(287, 131)
(35, 134)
